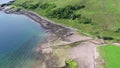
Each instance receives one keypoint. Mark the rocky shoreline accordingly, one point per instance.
(56, 32)
(60, 31)
(54, 57)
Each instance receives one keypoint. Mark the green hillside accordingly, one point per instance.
(98, 18)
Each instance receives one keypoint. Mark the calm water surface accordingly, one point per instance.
(4, 1)
(19, 37)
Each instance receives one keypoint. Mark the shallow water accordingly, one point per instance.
(19, 37)
(4, 1)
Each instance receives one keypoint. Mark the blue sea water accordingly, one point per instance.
(19, 36)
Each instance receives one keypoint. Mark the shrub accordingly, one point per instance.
(29, 5)
(118, 30)
(66, 12)
(84, 20)
(3, 5)
(33, 6)
(61, 13)
(74, 16)
(70, 64)
(108, 38)
(18, 9)
(25, 4)
(47, 6)
(105, 37)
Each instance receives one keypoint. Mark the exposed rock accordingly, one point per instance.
(45, 50)
(117, 44)
(83, 53)
(59, 30)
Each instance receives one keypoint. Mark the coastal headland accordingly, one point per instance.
(63, 43)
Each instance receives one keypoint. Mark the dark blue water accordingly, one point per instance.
(19, 37)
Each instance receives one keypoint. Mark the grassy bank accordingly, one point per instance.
(111, 56)
(97, 18)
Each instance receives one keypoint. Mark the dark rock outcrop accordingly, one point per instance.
(59, 30)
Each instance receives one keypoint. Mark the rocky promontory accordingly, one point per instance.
(59, 30)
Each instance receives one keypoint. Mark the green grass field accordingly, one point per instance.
(111, 55)
(104, 13)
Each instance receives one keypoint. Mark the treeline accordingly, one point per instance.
(28, 5)
(52, 11)
(66, 12)
(47, 6)
(106, 37)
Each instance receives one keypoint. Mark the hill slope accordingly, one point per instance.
(97, 18)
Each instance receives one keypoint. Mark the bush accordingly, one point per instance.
(61, 13)
(29, 5)
(105, 37)
(118, 30)
(108, 38)
(25, 4)
(75, 16)
(70, 64)
(47, 6)
(33, 6)
(3, 5)
(66, 12)
(18, 9)
(84, 20)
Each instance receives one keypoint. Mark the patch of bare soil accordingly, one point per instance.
(84, 54)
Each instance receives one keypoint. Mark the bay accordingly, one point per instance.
(19, 37)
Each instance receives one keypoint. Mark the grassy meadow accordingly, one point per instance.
(111, 55)
(105, 15)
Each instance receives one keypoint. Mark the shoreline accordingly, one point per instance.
(56, 33)
(60, 31)
(88, 47)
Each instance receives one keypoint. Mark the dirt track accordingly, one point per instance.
(84, 54)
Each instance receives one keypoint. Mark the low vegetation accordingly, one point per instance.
(110, 54)
(94, 18)
(66, 12)
(70, 64)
